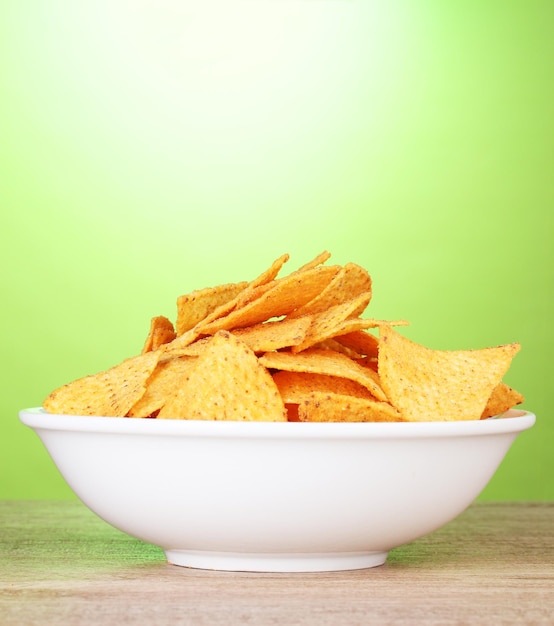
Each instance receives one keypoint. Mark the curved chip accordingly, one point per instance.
(321, 361)
(161, 332)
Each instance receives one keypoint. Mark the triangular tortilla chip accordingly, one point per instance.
(321, 361)
(501, 399)
(258, 285)
(282, 298)
(227, 383)
(168, 376)
(330, 322)
(439, 385)
(274, 335)
(195, 306)
(349, 282)
(296, 387)
(329, 407)
(111, 393)
(161, 332)
(318, 260)
(360, 341)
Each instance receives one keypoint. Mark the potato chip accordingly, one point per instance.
(430, 385)
(197, 305)
(227, 383)
(350, 281)
(502, 398)
(161, 332)
(328, 362)
(166, 378)
(331, 407)
(111, 393)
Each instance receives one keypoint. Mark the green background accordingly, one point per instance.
(149, 149)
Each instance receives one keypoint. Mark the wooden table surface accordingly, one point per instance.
(60, 564)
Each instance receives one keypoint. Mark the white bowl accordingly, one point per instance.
(282, 497)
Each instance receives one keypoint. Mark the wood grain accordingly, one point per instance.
(60, 564)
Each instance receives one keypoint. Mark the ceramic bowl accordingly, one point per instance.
(280, 497)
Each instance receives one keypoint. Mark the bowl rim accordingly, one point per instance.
(512, 421)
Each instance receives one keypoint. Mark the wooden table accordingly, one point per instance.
(60, 564)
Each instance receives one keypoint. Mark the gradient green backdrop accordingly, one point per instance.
(151, 148)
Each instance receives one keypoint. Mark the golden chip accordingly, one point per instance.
(283, 297)
(318, 260)
(350, 281)
(262, 337)
(332, 344)
(318, 361)
(193, 348)
(360, 341)
(271, 272)
(296, 387)
(161, 332)
(209, 304)
(166, 378)
(331, 407)
(111, 393)
(260, 284)
(227, 383)
(502, 398)
(326, 324)
(197, 305)
(263, 283)
(270, 336)
(430, 385)
(358, 324)
(368, 361)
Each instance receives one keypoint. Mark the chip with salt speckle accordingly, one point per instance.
(322, 361)
(226, 383)
(294, 347)
(169, 375)
(502, 398)
(111, 393)
(439, 385)
(161, 332)
(334, 407)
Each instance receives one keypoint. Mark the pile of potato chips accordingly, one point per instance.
(292, 349)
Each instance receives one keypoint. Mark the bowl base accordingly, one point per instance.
(253, 562)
